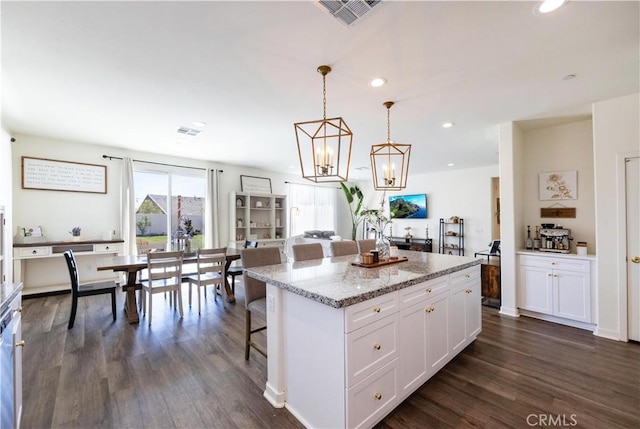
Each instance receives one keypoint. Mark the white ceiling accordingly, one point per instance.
(128, 74)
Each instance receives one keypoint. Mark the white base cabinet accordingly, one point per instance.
(556, 286)
(350, 367)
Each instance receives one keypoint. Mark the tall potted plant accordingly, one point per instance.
(353, 195)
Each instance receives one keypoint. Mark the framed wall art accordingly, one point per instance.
(255, 184)
(55, 175)
(558, 185)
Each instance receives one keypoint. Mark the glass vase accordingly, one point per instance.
(382, 245)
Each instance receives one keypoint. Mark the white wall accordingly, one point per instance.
(465, 193)
(616, 132)
(6, 198)
(561, 148)
(57, 212)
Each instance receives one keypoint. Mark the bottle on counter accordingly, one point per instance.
(529, 244)
(536, 239)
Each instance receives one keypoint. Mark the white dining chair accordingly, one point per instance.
(164, 270)
(210, 271)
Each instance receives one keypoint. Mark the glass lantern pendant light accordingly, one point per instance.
(324, 146)
(390, 161)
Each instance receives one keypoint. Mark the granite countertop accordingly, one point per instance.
(337, 283)
(8, 291)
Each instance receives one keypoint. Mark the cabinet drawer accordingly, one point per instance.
(569, 264)
(370, 348)
(372, 310)
(422, 291)
(107, 248)
(468, 274)
(32, 252)
(373, 397)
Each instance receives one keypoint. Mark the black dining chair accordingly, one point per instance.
(238, 270)
(78, 290)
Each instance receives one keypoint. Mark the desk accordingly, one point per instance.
(133, 264)
(40, 267)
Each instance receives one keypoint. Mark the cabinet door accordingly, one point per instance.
(17, 368)
(437, 314)
(412, 348)
(572, 295)
(535, 289)
(458, 322)
(473, 310)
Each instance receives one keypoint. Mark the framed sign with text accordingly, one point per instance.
(255, 184)
(55, 175)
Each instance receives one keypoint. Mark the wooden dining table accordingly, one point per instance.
(133, 264)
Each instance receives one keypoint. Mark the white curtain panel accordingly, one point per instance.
(127, 208)
(212, 210)
(317, 205)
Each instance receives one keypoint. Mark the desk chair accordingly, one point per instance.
(343, 248)
(78, 290)
(255, 291)
(210, 271)
(238, 270)
(307, 251)
(366, 245)
(165, 275)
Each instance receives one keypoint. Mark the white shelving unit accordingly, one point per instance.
(257, 217)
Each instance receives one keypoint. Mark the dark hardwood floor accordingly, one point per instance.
(191, 373)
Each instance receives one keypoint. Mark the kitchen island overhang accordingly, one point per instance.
(347, 344)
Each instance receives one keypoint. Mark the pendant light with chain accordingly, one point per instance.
(324, 146)
(388, 159)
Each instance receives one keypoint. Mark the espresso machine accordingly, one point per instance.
(555, 240)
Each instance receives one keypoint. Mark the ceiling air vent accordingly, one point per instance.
(188, 131)
(349, 11)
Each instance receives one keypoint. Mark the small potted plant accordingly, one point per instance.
(75, 233)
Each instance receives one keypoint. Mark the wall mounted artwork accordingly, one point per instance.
(558, 185)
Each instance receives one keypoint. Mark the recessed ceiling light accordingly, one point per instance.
(199, 124)
(379, 81)
(447, 125)
(568, 76)
(451, 164)
(547, 6)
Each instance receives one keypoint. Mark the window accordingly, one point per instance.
(169, 208)
(317, 206)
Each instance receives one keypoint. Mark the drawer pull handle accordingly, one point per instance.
(35, 252)
(468, 291)
(18, 310)
(377, 346)
(107, 247)
(553, 263)
(430, 309)
(378, 396)
(467, 275)
(376, 309)
(20, 344)
(428, 290)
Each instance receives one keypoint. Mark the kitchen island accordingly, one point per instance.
(347, 344)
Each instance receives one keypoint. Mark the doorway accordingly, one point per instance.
(632, 203)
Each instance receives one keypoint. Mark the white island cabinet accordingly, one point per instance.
(557, 287)
(347, 344)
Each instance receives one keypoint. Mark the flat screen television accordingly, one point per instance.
(408, 206)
